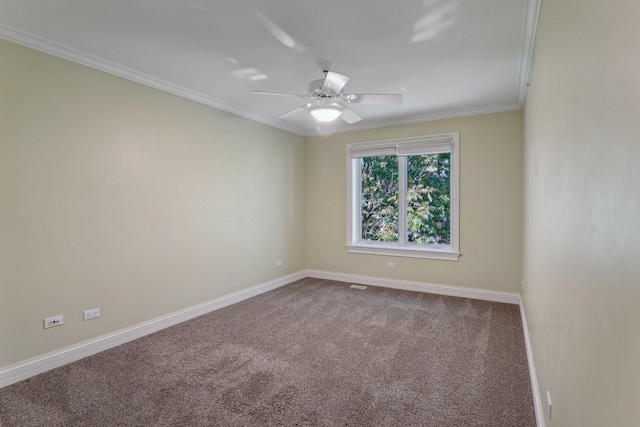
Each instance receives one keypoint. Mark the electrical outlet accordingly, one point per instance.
(51, 322)
(550, 404)
(91, 314)
(522, 284)
(391, 265)
(278, 264)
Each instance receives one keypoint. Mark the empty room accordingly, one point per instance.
(245, 213)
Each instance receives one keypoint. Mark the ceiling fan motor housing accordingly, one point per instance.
(316, 90)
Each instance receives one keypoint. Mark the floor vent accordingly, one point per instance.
(358, 287)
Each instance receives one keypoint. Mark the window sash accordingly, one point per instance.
(402, 200)
(403, 189)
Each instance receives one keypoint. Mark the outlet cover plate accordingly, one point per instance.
(51, 322)
(91, 314)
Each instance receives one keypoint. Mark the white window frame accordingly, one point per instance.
(402, 147)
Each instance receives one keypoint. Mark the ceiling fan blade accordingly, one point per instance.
(257, 92)
(349, 116)
(334, 81)
(293, 112)
(375, 99)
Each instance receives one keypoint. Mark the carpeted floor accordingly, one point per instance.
(312, 353)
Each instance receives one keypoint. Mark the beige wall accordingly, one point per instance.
(118, 196)
(491, 155)
(582, 233)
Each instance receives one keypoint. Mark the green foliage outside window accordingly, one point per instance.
(428, 199)
(380, 198)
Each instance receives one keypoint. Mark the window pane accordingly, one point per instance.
(428, 199)
(380, 198)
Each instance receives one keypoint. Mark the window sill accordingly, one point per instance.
(404, 251)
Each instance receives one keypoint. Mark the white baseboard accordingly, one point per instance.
(34, 366)
(28, 368)
(455, 291)
(532, 370)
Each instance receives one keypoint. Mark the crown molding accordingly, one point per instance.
(530, 24)
(452, 114)
(83, 58)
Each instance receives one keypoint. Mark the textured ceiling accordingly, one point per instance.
(448, 58)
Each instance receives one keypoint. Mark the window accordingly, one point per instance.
(403, 197)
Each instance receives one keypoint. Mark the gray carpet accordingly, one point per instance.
(312, 353)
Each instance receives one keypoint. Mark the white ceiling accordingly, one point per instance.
(449, 58)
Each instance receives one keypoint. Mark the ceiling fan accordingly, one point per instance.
(327, 99)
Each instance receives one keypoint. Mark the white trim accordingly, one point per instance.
(354, 193)
(454, 291)
(394, 142)
(74, 55)
(454, 187)
(34, 366)
(402, 202)
(530, 21)
(83, 58)
(403, 251)
(429, 117)
(537, 402)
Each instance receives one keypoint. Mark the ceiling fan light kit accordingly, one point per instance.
(326, 113)
(327, 99)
